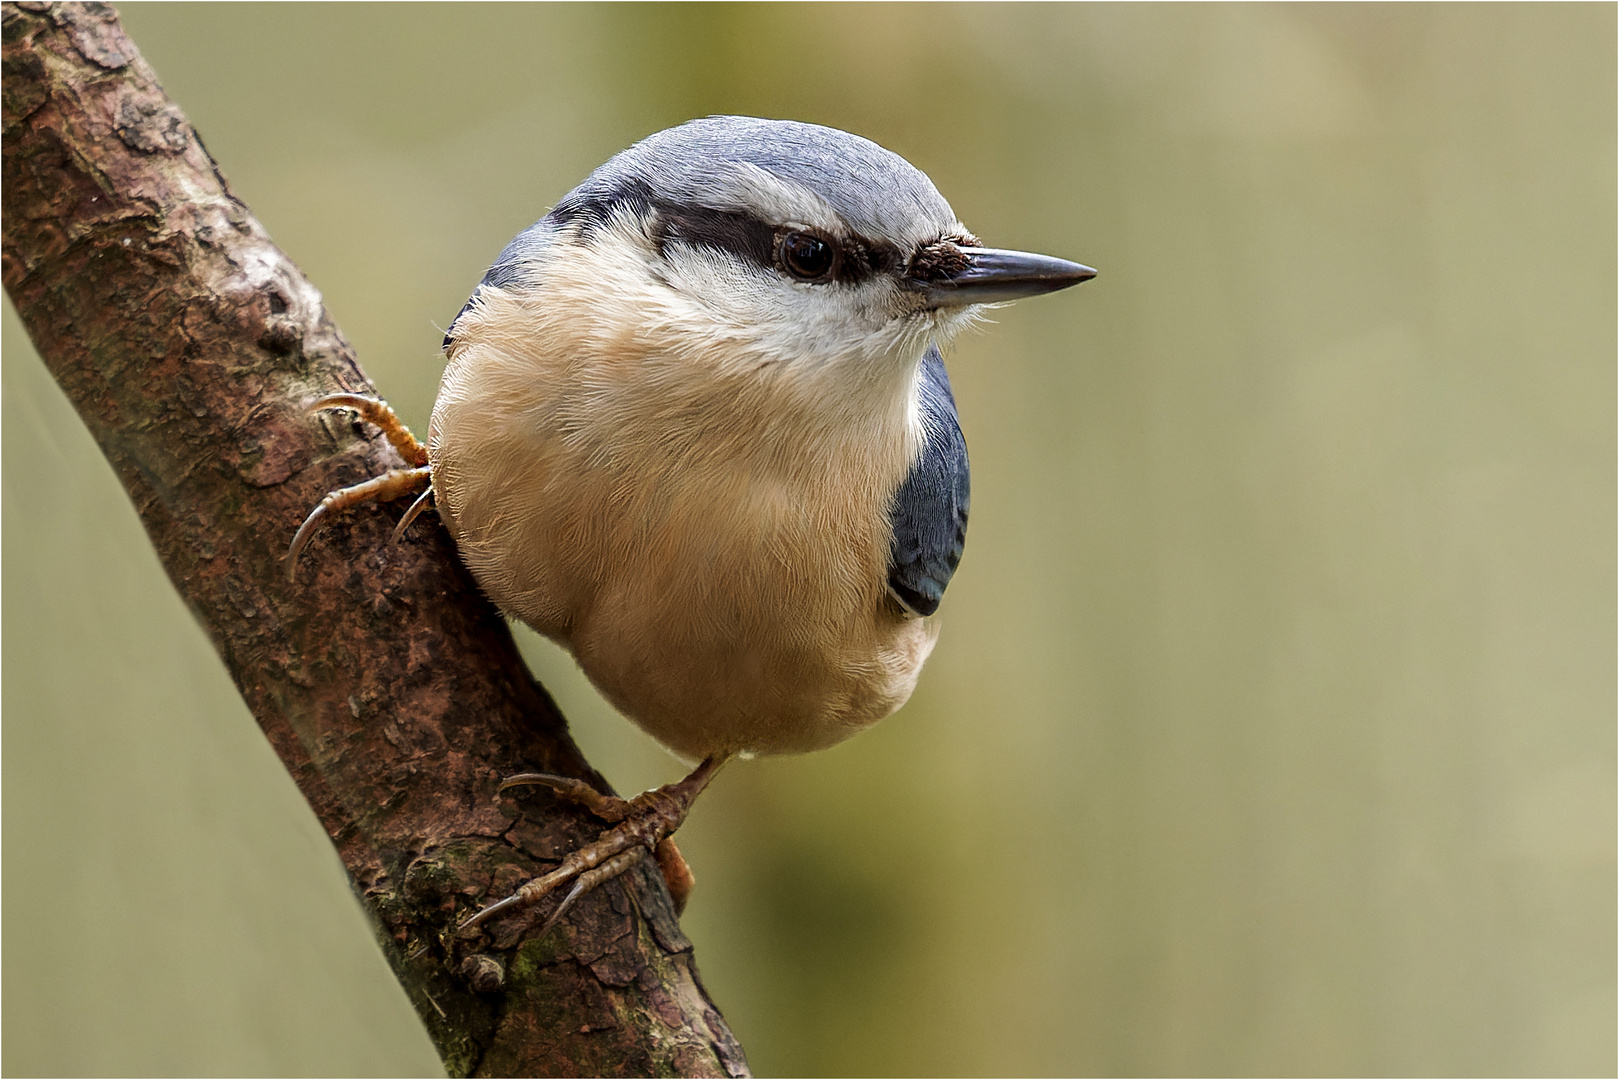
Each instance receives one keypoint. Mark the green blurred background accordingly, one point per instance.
(1272, 728)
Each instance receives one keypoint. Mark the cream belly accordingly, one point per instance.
(727, 594)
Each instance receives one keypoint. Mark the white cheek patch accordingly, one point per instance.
(786, 322)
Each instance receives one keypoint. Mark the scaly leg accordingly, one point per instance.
(390, 485)
(643, 824)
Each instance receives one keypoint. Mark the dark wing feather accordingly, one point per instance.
(929, 512)
(512, 265)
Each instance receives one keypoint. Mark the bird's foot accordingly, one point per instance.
(677, 874)
(391, 485)
(641, 825)
(379, 414)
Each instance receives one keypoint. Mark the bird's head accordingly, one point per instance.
(767, 245)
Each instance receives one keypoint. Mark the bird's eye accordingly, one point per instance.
(806, 257)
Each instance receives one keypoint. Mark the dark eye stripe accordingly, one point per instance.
(738, 234)
(741, 235)
(756, 242)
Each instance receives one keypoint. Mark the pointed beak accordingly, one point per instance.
(992, 275)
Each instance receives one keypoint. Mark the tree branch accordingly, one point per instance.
(386, 683)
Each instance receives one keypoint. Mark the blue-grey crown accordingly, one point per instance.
(876, 192)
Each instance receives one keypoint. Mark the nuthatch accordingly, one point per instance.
(695, 427)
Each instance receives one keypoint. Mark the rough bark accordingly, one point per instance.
(387, 684)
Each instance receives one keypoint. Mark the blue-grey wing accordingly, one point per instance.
(513, 263)
(929, 512)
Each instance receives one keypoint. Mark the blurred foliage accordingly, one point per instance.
(1272, 725)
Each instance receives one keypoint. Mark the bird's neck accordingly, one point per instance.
(799, 422)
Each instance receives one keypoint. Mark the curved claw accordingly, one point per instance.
(390, 485)
(512, 901)
(410, 515)
(536, 890)
(592, 878)
(574, 893)
(310, 526)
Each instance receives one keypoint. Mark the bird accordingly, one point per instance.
(695, 426)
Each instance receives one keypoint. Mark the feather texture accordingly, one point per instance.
(929, 513)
